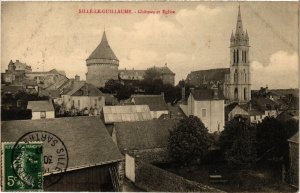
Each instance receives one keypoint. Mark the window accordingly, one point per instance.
(245, 94)
(234, 56)
(43, 115)
(235, 76)
(236, 94)
(203, 113)
(79, 104)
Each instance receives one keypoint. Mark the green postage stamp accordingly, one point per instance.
(22, 168)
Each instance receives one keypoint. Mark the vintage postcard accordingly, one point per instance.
(161, 96)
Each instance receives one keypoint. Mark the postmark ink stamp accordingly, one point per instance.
(55, 155)
(22, 166)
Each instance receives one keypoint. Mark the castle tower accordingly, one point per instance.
(102, 64)
(239, 87)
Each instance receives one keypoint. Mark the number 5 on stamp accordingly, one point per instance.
(22, 166)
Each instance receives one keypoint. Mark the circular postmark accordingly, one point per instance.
(54, 157)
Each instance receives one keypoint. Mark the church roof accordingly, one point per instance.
(103, 51)
(204, 94)
(198, 77)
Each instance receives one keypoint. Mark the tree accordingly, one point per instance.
(152, 74)
(272, 136)
(124, 92)
(188, 141)
(112, 86)
(237, 141)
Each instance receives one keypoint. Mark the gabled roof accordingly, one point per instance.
(155, 102)
(81, 88)
(38, 106)
(29, 82)
(11, 89)
(198, 77)
(204, 94)
(294, 138)
(86, 138)
(144, 134)
(50, 93)
(128, 113)
(165, 70)
(103, 51)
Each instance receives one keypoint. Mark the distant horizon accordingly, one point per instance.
(196, 37)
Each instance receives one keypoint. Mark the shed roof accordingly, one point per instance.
(38, 106)
(86, 138)
(155, 102)
(126, 113)
(144, 134)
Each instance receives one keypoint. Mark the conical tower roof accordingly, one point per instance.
(103, 51)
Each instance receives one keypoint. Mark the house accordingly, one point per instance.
(294, 160)
(31, 86)
(41, 109)
(82, 96)
(238, 110)
(146, 139)
(94, 161)
(265, 105)
(208, 105)
(156, 104)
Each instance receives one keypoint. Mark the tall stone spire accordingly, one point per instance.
(239, 24)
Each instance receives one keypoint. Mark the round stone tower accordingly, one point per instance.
(102, 64)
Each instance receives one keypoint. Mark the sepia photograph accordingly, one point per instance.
(158, 96)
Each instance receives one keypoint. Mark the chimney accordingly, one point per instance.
(77, 78)
(182, 93)
(216, 92)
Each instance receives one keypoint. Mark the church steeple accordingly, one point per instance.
(240, 37)
(239, 24)
(239, 86)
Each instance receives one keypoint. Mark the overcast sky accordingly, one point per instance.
(49, 35)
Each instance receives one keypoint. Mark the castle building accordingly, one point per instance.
(234, 81)
(102, 64)
(167, 76)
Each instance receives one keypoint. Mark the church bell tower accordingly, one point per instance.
(239, 82)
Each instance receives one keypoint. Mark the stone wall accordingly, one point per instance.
(151, 178)
(99, 74)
